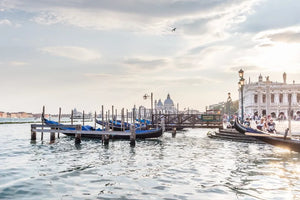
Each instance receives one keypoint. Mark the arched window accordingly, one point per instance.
(255, 98)
(264, 98)
(272, 98)
(280, 98)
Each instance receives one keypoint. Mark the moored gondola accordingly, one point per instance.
(273, 139)
(97, 133)
(118, 126)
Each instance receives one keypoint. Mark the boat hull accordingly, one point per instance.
(152, 133)
(293, 145)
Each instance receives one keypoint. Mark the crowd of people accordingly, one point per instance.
(265, 123)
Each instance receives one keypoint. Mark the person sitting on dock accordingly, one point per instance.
(271, 126)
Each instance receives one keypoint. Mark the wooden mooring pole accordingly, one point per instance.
(59, 118)
(122, 119)
(78, 135)
(105, 138)
(52, 135)
(33, 134)
(102, 113)
(174, 132)
(82, 118)
(112, 117)
(95, 120)
(127, 116)
(163, 124)
(72, 113)
(43, 115)
(132, 135)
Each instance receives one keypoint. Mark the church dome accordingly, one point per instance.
(168, 101)
(160, 104)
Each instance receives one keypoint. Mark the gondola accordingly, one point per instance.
(279, 140)
(117, 125)
(83, 128)
(140, 134)
(242, 129)
(276, 140)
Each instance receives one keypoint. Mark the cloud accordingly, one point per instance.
(145, 64)
(288, 37)
(272, 14)
(18, 63)
(183, 80)
(246, 68)
(189, 16)
(73, 52)
(5, 22)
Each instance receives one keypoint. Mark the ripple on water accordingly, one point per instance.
(189, 166)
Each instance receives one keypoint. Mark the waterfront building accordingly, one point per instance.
(3, 114)
(266, 97)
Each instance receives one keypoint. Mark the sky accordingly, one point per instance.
(85, 53)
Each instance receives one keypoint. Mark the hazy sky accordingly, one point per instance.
(88, 53)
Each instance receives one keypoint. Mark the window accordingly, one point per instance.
(264, 98)
(272, 98)
(255, 98)
(280, 98)
(298, 98)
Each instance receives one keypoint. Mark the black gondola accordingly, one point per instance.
(140, 134)
(276, 140)
(117, 125)
(287, 143)
(242, 129)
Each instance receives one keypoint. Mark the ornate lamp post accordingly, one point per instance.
(146, 96)
(229, 100)
(241, 86)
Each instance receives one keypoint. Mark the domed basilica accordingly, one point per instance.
(167, 106)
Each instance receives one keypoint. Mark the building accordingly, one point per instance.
(166, 107)
(3, 114)
(266, 97)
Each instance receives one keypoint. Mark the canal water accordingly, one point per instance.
(189, 166)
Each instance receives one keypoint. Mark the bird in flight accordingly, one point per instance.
(174, 29)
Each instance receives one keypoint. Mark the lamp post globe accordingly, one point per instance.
(241, 73)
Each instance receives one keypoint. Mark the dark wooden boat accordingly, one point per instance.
(273, 139)
(242, 129)
(232, 135)
(97, 133)
(140, 134)
(117, 125)
(279, 140)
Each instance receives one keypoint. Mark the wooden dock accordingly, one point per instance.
(233, 135)
(78, 132)
(187, 120)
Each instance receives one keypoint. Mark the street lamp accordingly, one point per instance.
(229, 100)
(241, 85)
(146, 96)
(241, 73)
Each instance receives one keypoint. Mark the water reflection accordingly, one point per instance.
(188, 166)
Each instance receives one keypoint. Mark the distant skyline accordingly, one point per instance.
(83, 53)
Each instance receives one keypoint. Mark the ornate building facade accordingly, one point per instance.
(266, 97)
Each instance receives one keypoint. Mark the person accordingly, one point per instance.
(261, 124)
(247, 122)
(271, 126)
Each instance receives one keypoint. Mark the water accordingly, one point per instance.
(189, 166)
